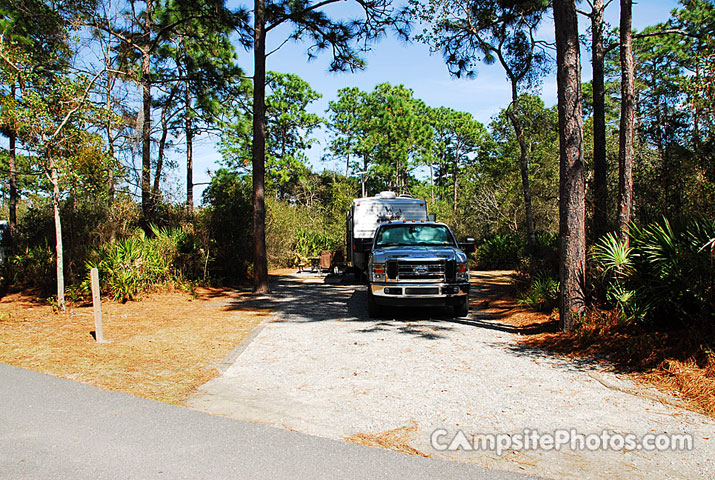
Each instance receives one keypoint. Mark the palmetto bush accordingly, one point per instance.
(136, 264)
(543, 292)
(34, 267)
(666, 274)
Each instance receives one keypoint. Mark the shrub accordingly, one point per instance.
(227, 224)
(543, 292)
(666, 275)
(34, 267)
(500, 251)
(137, 264)
(675, 271)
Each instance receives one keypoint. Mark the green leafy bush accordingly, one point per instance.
(34, 267)
(227, 223)
(310, 242)
(137, 264)
(543, 292)
(666, 274)
(500, 251)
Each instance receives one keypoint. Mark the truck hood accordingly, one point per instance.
(381, 255)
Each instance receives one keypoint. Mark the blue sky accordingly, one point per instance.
(412, 65)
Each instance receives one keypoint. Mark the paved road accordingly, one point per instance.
(54, 428)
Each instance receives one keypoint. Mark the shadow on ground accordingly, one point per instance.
(310, 297)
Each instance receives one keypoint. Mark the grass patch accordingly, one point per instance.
(162, 347)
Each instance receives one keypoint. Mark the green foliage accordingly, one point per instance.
(614, 257)
(500, 251)
(34, 267)
(295, 232)
(289, 128)
(310, 243)
(666, 275)
(615, 263)
(131, 266)
(382, 132)
(543, 292)
(228, 222)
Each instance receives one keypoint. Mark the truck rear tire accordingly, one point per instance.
(461, 309)
(373, 309)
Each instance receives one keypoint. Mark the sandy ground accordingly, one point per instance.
(321, 366)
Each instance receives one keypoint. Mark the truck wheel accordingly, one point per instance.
(358, 274)
(373, 309)
(462, 308)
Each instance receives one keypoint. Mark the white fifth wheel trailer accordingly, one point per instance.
(368, 213)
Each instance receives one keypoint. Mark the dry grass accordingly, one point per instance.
(162, 347)
(397, 439)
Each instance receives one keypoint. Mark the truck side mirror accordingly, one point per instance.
(431, 217)
(469, 245)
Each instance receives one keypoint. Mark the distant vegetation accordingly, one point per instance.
(95, 142)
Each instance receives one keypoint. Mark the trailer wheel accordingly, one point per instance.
(461, 309)
(373, 309)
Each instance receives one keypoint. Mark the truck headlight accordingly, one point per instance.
(378, 271)
(462, 272)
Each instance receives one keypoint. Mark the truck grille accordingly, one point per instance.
(430, 270)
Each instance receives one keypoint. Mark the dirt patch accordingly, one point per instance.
(497, 300)
(162, 347)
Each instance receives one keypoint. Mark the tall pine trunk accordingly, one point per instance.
(572, 211)
(513, 113)
(12, 214)
(189, 153)
(164, 121)
(147, 204)
(600, 162)
(455, 176)
(627, 124)
(260, 263)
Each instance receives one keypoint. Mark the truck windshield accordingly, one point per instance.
(413, 235)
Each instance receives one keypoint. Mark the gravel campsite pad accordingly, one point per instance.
(322, 367)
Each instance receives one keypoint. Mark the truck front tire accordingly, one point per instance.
(461, 309)
(373, 309)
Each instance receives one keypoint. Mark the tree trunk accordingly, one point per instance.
(12, 214)
(696, 114)
(454, 184)
(59, 252)
(571, 184)
(189, 154)
(513, 113)
(110, 169)
(347, 162)
(260, 263)
(147, 204)
(627, 124)
(431, 181)
(600, 163)
(160, 154)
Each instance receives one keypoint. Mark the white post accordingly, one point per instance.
(97, 304)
